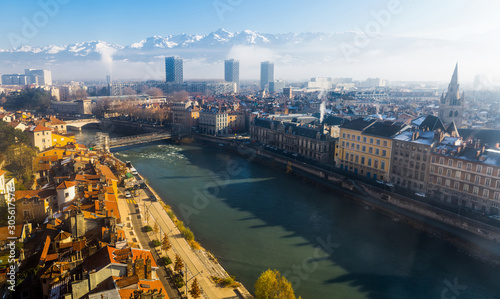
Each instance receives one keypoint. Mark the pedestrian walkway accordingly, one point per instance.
(197, 263)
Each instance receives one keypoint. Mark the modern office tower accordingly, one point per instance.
(266, 74)
(173, 69)
(232, 71)
(452, 106)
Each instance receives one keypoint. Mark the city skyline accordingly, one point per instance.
(386, 39)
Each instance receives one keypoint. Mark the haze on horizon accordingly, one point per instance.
(402, 40)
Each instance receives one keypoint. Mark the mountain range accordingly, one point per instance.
(296, 56)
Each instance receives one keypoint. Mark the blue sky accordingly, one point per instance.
(438, 33)
(127, 21)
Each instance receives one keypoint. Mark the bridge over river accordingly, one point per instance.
(102, 140)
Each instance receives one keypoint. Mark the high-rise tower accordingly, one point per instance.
(174, 70)
(451, 108)
(266, 74)
(232, 71)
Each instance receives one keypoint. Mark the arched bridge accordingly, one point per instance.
(79, 123)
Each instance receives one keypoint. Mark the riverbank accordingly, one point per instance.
(458, 231)
(200, 263)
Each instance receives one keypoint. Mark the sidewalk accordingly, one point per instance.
(198, 264)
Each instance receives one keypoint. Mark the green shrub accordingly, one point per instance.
(148, 228)
(171, 214)
(166, 260)
(188, 234)
(156, 243)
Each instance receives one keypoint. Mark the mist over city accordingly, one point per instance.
(249, 149)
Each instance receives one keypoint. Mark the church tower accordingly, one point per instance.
(451, 108)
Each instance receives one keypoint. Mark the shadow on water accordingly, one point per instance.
(348, 250)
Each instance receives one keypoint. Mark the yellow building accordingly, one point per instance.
(62, 139)
(365, 147)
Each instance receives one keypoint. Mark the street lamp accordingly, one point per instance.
(185, 265)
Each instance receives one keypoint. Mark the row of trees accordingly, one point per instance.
(16, 150)
(28, 99)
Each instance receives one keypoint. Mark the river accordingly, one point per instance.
(253, 218)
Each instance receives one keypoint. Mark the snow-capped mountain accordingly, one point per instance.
(164, 45)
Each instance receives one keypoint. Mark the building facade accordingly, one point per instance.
(466, 175)
(365, 147)
(174, 70)
(213, 123)
(232, 71)
(266, 74)
(411, 157)
(307, 141)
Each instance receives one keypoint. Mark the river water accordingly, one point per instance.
(253, 218)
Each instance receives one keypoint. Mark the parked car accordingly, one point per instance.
(389, 184)
(420, 194)
(128, 195)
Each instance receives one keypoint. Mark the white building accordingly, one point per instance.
(213, 123)
(65, 193)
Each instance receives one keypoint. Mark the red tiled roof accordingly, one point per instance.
(40, 128)
(45, 250)
(66, 185)
(2, 172)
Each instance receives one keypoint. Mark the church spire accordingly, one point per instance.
(454, 78)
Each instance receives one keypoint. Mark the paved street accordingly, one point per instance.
(198, 264)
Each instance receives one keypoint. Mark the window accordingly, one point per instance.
(348, 136)
(385, 143)
(466, 188)
(448, 173)
(456, 186)
(66, 194)
(450, 162)
(469, 166)
(377, 151)
(458, 174)
(347, 156)
(352, 145)
(440, 170)
(496, 196)
(347, 144)
(378, 141)
(433, 168)
(475, 190)
(439, 181)
(447, 183)
(486, 193)
(459, 164)
(371, 141)
(384, 153)
(489, 171)
(487, 182)
(343, 135)
(498, 185)
(370, 150)
(364, 139)
(357, 147)
(356, 159)
(343, 143)
(382, 165)
(433, 159)
(369, 162)
(363, 160)
(467, 176)
(363, 148)
(477, 179)
(359, 138)
(441, 161)
(479, 168)
(375, 164)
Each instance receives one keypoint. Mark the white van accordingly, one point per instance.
(133, 171)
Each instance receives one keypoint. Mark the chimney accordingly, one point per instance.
(139, 268)
(148, 268)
